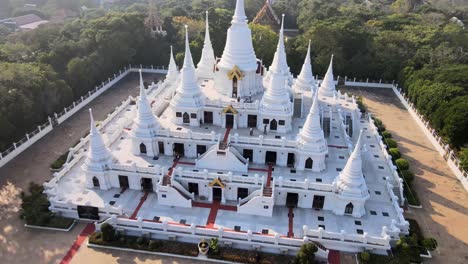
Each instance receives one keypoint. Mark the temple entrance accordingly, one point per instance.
(234, 87)
(242, 193)
(186, 118)
(96, 182)
(252, 121)
(292, 199)
(123, 182)
(88, 212)
(201, 149)
(179, 149)
(146, 184)
(309, 163)
(318, 202)
(248, 154)
(326, 126)
(291, 160)
(217, 193)
(349, 208)
(161, 147)
(229, 120)
(142, 148)
(273, 125)
(270, 157)
(349, 123)
(193, 188)
(208, 117)
(297, 107)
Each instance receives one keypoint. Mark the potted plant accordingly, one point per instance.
(203, 247)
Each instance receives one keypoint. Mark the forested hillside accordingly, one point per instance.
(415, 42)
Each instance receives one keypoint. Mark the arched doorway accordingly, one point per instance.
(96, 182)
(349, 208)
(234, 87)
(142, 148)
(309, 163)
(186, 118)
(273, 124)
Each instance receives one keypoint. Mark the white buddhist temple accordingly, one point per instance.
(233, 149)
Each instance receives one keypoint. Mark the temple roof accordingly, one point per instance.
(267, 16)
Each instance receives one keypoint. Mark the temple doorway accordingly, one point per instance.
(123, 182)
(146, 184)
(88, 212)
(234, 87)
(161, 147)
(217, 193)
(248, 154)
(252, 121)
(309, 163)
(142, 148)
(186, 118)
(349, 208)
(292, 199)
(291, 160)
(242, 193)
(201, 149)
(96, 182)
(270, 157)
(229, 120)
(179, 149)
(208, 117)
(273, 125)
(193, 188)
(319, 201)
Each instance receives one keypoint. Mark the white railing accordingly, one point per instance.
(58, 118)
(303, 185)
(225, 177)
(238, 105)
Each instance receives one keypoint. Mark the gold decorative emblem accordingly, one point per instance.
(235, 72)
(229, 109)
(217, 183)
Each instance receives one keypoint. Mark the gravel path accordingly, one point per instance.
(444, 215)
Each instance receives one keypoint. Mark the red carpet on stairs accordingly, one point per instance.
(334, 257)
(269, 175)
(142, 200)
(226, 135)
(88, 230)
(291, 221)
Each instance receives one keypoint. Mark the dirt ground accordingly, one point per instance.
(444, 215)
(21, 245)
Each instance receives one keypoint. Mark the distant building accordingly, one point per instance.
(23, 23)
(153, 21)
(62, 15)
(267, 16)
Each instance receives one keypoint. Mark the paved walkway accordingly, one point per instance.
(21, 245)
(444, 215)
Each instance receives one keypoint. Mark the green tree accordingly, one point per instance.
(264, 41)
(306, 254)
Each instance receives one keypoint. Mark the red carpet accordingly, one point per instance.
(88, 230)
(257, 169)
(269, 175)
(226, 135)
(334, 257)
(142, 200)
(212, 216)
(291, 221)
(339, 147)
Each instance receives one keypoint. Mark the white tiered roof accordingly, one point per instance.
(146, 125)
(239, 49)
(99, 157)
(280, 64)
(207, 60)
(172, 72)
(311, 137)
(306, 81)
(327, 87)
(350, 181)
(188, 92)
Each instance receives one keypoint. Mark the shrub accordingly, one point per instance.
(365, 256)
(35, 206)
(429, 243)
(306, 254)
(395, 153)
(108, 232)
(361, 105)
(379, 124)
(141, 241)
(408, 176)
(386, 134)
(60, 161)
(214, 246)
(402, 164)
(154, 244)
(391, 143)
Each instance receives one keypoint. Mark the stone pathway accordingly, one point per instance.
(21, 245)
(444, 215)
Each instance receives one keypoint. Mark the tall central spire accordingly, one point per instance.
(280, 64)
(306, 81)
(188, 92)
(207, 60)
(239, 48)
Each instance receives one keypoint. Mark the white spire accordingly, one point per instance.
(207, 60)
(99, 157)
(146, 125)
(311, 136)
(327, 87)
(188, 91)
(239, 48)
(280, 64)
(350, 181)
(306, 81)
(172, 72)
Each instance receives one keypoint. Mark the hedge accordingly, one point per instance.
(391, 143)
(395, 153)
(402, 164)
(386, 134)
(408, 176)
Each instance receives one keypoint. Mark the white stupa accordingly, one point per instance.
(188, 93)
(280, 55)
(146, 125)
(306, 81)
(99, 158)
(311, 136)
(328, 87)
(172, 71)
(207, 61)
